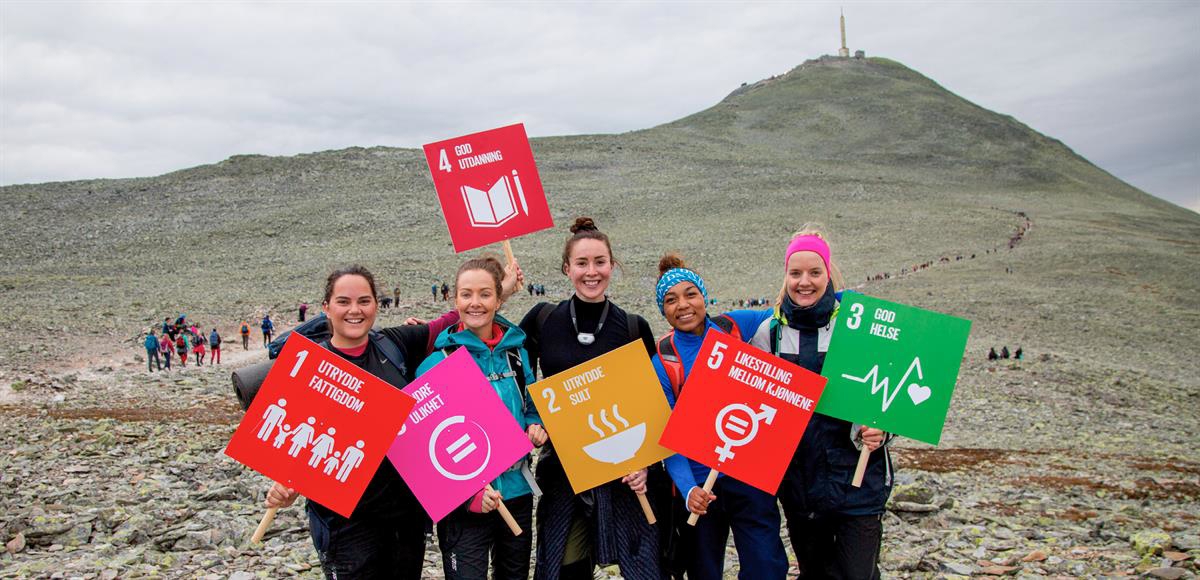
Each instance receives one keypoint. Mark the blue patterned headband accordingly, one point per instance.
(673, 277)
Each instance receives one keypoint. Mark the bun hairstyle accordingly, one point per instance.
(670, 261)
(351, 270)
(835, 274)
(487, 263)
(585, 228)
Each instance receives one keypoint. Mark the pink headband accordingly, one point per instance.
(808, 244)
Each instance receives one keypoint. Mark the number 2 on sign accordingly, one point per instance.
(715, 359)
(300, 356)
(549, 394)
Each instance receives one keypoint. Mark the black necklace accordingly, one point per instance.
(586, 338)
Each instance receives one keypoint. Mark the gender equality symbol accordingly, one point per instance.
(727, 422)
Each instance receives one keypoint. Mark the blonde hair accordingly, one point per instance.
(835, 274)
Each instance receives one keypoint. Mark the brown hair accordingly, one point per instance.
(585, 228)
(351, 270)
(835, 274)
(489, 264)
(669, 262)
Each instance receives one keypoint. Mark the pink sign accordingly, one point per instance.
(458, 438)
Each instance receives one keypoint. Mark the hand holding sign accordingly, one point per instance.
(876, 342)
(742, 412)
(604, 417)
(320, 425)
(458, 438)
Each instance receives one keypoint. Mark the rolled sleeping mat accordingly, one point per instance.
(247, 380)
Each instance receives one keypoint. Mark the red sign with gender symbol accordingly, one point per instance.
(320, 425)
(742, 411)
(488, 186)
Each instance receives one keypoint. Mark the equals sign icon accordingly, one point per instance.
(461, 448)
(736, 424)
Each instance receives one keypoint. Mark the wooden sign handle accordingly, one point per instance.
(261, 530)
(506, 515)
(708, 485)
(646, 510)
(508, 253)
(863, 456)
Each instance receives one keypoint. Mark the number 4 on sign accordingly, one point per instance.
(443, 161)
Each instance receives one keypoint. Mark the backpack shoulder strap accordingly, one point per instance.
(633, 321)
(669, 356)
(544, 310)
(391, 351)
(728, 325)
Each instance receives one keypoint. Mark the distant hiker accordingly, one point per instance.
(214, 343)
(433, 289)
(268, 329)
(303, 310)
(1004, 352)
(167, 348)
(530, 288)
(245, 335)
(1017, 355)
(151, 345)
(166, 326)
(396, 296)
(992, 354)
(181, 349)
(384, 301)
(198, 348)
(445, 292)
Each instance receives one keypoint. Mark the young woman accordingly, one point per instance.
(835, 528)
(467, 535)
(751, 513)
(604, 525)
(198, 341)
(167, 348)
(385, 536)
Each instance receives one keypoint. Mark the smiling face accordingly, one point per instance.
(590, 267)
(806, 278)
(477, 299)
(684, 308)
(351, 310)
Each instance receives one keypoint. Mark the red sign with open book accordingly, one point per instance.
(320, 425)
(488, 186)
(742, 411)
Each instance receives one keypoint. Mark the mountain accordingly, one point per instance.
(1098, 282)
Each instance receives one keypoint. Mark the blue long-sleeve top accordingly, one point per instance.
(683, 471)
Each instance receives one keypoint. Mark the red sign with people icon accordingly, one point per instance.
(320, 425)
(488, 186)
(742, 411)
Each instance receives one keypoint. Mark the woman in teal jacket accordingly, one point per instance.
(469, 533)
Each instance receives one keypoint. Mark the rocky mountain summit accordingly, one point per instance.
(1077, 461)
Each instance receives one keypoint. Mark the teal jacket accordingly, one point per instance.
(495, 364)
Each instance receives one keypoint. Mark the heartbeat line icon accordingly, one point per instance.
(918, 393)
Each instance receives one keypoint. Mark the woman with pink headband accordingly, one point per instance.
(836, 529)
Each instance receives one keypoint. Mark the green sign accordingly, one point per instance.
(892, 366)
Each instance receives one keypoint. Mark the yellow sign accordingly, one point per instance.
(605, 416)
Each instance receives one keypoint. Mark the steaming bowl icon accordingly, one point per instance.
(618, 448)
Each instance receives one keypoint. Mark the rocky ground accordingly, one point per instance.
(115, 472)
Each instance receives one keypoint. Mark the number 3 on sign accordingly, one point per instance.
(856, 312)
(715, 359)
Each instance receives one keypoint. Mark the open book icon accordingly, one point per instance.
(494, 207)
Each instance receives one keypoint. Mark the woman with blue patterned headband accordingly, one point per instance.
(752, 514)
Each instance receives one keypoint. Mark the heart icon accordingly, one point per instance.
(918, 394)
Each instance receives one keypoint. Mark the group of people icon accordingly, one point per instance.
(304, 435)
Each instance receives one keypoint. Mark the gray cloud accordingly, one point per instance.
(125, 89)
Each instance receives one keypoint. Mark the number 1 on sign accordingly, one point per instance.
(300, 356)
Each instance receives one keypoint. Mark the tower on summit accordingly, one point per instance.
(843, 51)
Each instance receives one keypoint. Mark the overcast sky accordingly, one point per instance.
(125, 89)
